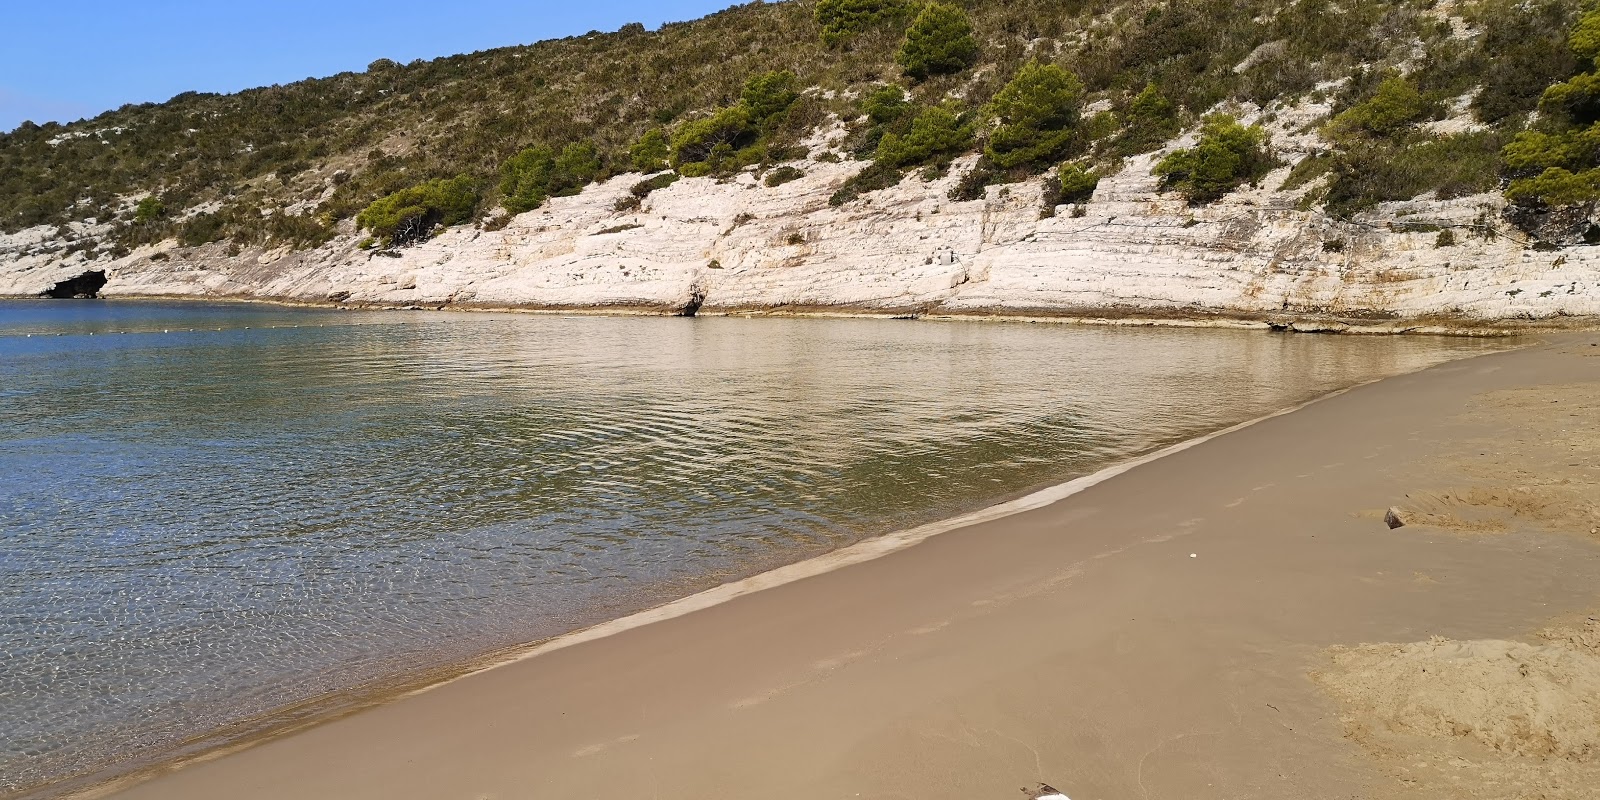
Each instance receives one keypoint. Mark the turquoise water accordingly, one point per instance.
(211, 511)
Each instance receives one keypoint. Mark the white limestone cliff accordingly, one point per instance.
(740, 246)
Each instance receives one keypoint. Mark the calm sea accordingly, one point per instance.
(211, 511)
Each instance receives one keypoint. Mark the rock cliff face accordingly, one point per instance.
(740, 246)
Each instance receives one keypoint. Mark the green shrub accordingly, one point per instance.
(694, 169)
(651, 152)
(1576, 101)
(939, 42)
(1585, 39)
(1533, 152)
(149, 209)
(1556, 187)
(1077, 184)
(783, 175)
(1393, 107)
(1371, 172)
(530, 177)
(577, 166)
(731, 136)
(1151, 120)
(887, 109)
(937, 132)
(304, 230)
(643, 188)
(1034, 115)
(721, 158)
(1520, 53)
(1560, 165)
(876, 176)
(411, 215)
(1307, 170)
(885, 104)
(769, 94)
(1227, 156)
(203, 228)
(694, 141)
(1280, 74)
(1103, 125)
(793, 152)
(525, 179)
(639, 191)
(843, 20)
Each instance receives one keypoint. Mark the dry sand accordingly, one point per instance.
(1234, 620)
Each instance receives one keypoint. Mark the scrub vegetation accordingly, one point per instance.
(1066, 89)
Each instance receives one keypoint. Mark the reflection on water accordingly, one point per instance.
(210, 511)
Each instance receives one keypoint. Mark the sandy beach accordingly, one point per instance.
(1233, 620)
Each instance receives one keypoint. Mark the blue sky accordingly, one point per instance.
(68, 59)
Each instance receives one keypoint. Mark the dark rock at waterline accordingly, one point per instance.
(82, 287)
(1561, 227)
(697, 298)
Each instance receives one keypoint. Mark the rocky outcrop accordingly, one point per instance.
(1562, 227)
(711, 246)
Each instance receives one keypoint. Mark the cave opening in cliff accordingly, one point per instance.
(697, 298)
(87, 285)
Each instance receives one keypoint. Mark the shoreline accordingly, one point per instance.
(1288, 322)
(843, 719)
(326, 708)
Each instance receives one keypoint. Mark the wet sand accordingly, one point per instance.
(1232, 620)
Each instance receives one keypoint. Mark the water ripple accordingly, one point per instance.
(197, 526)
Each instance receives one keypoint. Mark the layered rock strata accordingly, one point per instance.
(737, 245)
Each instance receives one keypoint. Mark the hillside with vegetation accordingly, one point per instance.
(1425, 98)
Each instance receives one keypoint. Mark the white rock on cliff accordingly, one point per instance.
(742, 246)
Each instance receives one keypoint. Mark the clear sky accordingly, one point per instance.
(68, 59)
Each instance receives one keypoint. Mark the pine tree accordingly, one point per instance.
(842, 20)
(1228, 154)
(1152, 120)
(650, 153)
(939, 42)
(936, 132)
(1035, 113)
(770, 93)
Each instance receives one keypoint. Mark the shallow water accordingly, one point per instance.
(198, 525)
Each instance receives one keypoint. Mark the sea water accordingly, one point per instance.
(211, 511)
